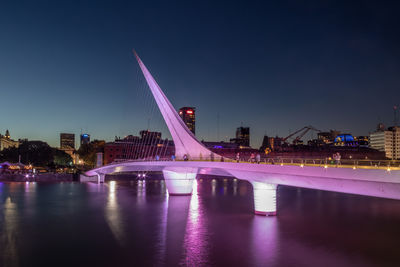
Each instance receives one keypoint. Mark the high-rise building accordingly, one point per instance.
(85, 139)
(67, 141)
(188, 115)
(387, 141)
(242, 136)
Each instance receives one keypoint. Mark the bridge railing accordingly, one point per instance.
(320, 162)
(342, 163)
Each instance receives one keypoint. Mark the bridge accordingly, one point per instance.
(179, 174)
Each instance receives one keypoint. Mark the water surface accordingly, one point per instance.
(135, 223)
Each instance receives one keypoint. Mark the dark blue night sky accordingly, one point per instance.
(272, 65)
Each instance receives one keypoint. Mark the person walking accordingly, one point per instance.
(338, 157)
(237, 157)
(252, 158)
(258, 158)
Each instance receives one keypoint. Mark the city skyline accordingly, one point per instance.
(69, 66)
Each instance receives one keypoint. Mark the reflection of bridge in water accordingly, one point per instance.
(179, 175)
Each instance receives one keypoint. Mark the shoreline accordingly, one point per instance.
(46, 177)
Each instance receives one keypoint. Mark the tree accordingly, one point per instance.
(37, 153)
(9, 154)
(61, 158)
(88, 152)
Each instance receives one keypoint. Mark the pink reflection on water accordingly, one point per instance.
(162, 236)
(30, 187)
(141, 193)
(113, 214)
(264, 240)
(196, 236)
(9, 233)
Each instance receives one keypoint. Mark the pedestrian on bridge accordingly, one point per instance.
(252, 158)
(258, 158)
(237, 157)
(338, 157)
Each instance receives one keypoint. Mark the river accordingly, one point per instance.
(136, 223)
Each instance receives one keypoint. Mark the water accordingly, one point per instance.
(135, 223)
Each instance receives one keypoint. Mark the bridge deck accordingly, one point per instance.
(367, 180)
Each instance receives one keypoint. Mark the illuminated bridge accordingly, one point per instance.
(180, 174)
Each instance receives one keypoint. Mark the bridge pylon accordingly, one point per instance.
(184, 140)
(264, 198)
(179, 180)
(100, 177)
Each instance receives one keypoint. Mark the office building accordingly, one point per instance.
(188, 115)
(67, 141)
(386, 140)
(85, 139)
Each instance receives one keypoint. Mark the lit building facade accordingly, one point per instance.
(67, 141)
(327, 138)
(7, 142)
(188, 115)
(345, 140)
(387, 141)
(67, 144)
(85, 139)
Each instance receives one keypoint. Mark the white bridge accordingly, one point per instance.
(179, 175)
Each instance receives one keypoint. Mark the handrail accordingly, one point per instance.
(302, 162)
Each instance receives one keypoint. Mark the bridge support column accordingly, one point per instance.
(179, 181)
(101, 177)
(264, 198)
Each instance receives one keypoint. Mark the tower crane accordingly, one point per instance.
(301, 132)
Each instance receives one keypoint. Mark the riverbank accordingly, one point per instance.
(45, 177)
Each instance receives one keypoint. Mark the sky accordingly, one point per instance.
(275, 66)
